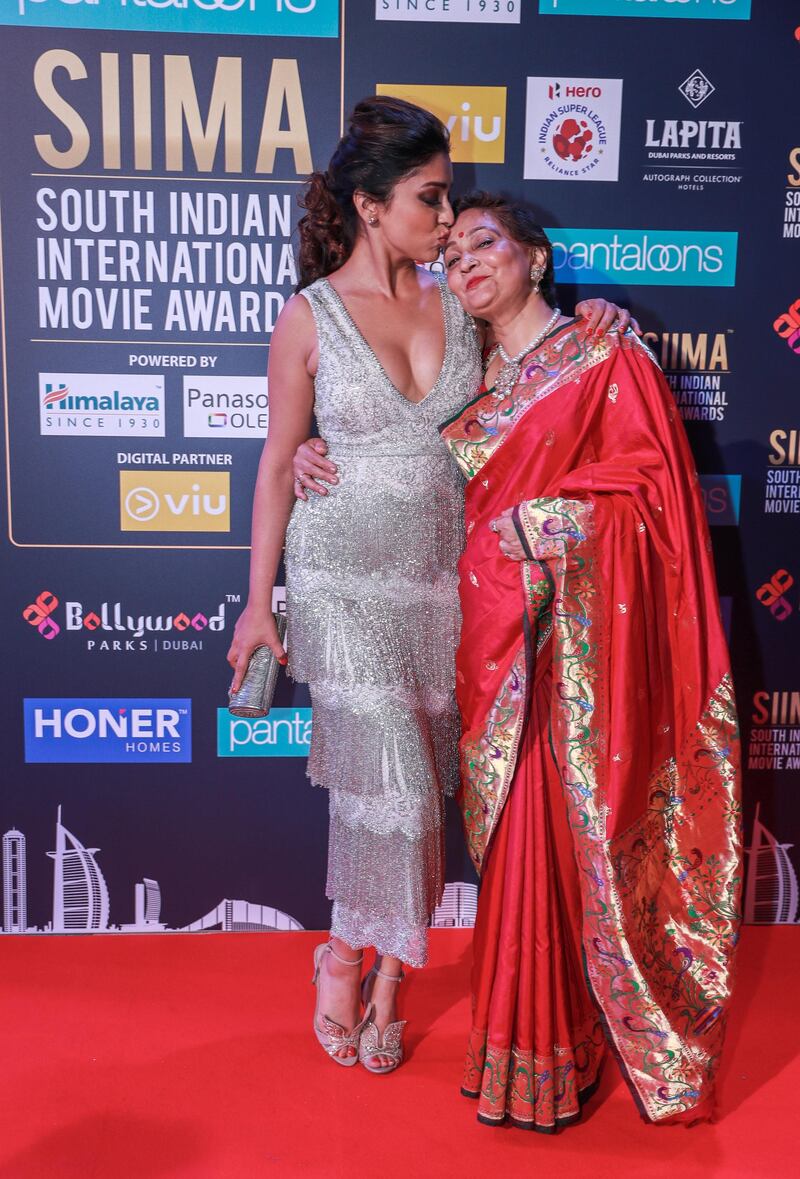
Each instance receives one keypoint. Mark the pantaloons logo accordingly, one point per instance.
(476, 12)
(722, 497)
(645, 257)
(686, 9)
(285, 732)
(174, 501)
(101, 406)
(225, 407)
(93, 730)
(572, 128)
(475, 116)
(262, 18)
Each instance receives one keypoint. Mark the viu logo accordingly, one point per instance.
(174, 501)
(475, 116)
(470, 125)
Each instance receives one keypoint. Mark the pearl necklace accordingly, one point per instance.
(508, 375)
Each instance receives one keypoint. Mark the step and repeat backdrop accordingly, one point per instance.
(151, 157)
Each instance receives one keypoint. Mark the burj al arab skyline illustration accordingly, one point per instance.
(81, 902)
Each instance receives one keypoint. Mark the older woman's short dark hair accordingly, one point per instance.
(519, 222)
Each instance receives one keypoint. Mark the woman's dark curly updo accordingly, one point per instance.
(519, 222)
(387, 140)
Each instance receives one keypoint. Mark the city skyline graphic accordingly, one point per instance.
(82, 904)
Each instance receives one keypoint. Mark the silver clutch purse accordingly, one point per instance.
(254, 698)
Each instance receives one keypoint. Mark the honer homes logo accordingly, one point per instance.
(686, 9)
(484, 12)
(118, 730)
(572, 128)
(174, 501)
(475, 116)
(225, 407)
(101, 405)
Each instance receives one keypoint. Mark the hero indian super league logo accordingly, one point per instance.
(262, 18)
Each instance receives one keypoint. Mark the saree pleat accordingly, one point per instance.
(536, 1045)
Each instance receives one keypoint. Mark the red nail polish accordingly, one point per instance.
(283, 661)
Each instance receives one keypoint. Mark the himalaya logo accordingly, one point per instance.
(101, 405)
(119, 730)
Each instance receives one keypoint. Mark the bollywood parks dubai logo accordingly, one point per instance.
(110, 627)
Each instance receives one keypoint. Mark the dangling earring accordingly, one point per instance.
(537, 274)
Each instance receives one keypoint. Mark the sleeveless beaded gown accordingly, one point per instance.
(373, 623)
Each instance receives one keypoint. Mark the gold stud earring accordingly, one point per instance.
(372, 221)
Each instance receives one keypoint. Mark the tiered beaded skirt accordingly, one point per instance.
(373, 623)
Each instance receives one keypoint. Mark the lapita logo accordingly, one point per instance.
(174, 501)
(475, 116)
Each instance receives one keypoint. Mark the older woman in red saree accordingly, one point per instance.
(599, 754)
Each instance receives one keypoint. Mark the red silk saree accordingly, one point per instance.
(599, 756)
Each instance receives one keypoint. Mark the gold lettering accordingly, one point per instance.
(78, 150)
(109, 105)
(794, 162)
(180, 102)
(284, 87)
(142, 113)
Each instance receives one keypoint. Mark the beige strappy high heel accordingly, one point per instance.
(330, 1034)
(372, 1043)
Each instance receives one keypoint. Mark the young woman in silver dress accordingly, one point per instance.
(377, 348)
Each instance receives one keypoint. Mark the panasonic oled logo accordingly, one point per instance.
(107, 730)
(645, 257)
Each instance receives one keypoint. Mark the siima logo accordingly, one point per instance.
(225, 407)
(696, 367)
(119, 730)
(174, 501)
(262, 18)
(496, 12)
(475, 116)
(97, 405)
(788, 327)
(645, 257)
(113, 617)
(286, 732)
(782, 483)
(791, 204)
(572, 128)
(688, 9)
(721, 495)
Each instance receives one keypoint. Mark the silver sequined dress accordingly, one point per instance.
(373, 621)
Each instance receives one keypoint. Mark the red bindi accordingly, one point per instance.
(461, 235)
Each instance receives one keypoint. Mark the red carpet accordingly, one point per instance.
(190, 1055)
